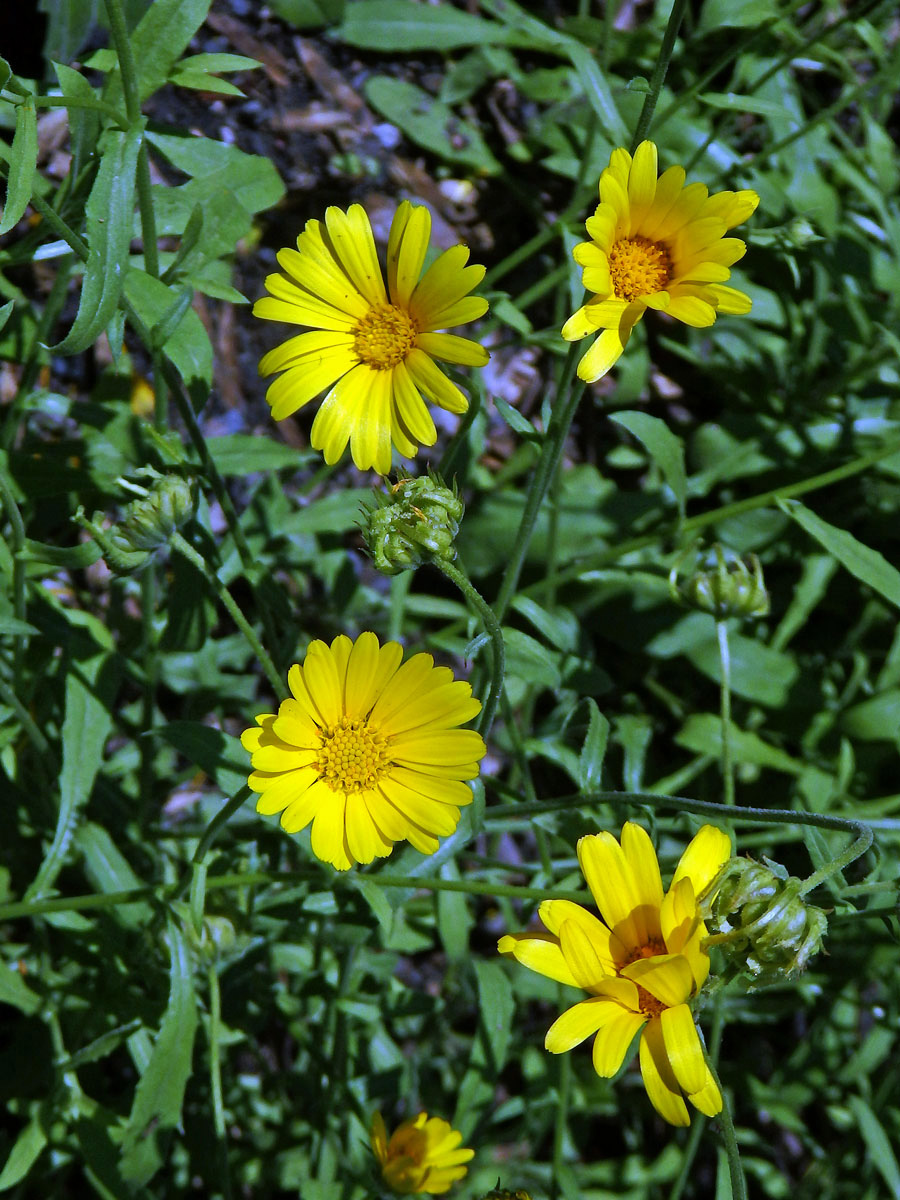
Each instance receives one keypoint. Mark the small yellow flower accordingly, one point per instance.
(642, 964)
(422, 1155)
(366, 749)
(654, 244)
(374, 348)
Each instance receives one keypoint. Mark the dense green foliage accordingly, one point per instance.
(190, 1003)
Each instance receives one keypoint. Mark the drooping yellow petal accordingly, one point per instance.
(659, 1079)
(683, 1049)
(539, 952)
(613, 1040)
(579, 1023)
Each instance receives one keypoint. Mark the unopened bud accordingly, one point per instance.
(416, 521)
(723, 586)
(761, 922)
(499, 1193)
(147, 523)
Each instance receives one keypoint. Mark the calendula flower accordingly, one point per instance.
(374, 348)
(642, 964)
(422, 1155)
(654, 244)
(367, 750)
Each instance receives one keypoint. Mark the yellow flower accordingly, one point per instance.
(367, 750)
(423, 1155)
(373, 348)
(642, 964)
(654, 244)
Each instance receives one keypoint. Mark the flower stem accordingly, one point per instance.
(187, 550)
(551, 452)
(725, 711)
(215, 1077)
(562, 1114)
(494, 632)
(17, 527)
(735, 1167)
(657, 79)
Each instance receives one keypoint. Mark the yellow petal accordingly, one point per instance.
(295, 307)
(407, 244)
(354, 245)
(361, 676)
(692, 310)
(303, 809)
(665, 976)
(659, 1080)
(709, 1099)
(447, 747)
(613, 887)
(325, 687)
(276, 792)
(429, 814)
(730, 300)
(602, 356)
(334, 421)
(608, 947)
(642, 183)
(683, 1049)
(370, 433)
(539, 952)
(326, 282)
(300, 384)
(434, 383)
(613, 1040)
(581, 954)
(577, 1024)
(410, 409)
(641, 858)
(445, 282)
(460, 312)
(306, 348)
(364, 840)
(450, 348)
(329, 841)
(706, 854)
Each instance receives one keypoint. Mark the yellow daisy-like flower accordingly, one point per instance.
(422, 1155)
(642, 963)
(373, 347)
(367, 749)
(654, 244)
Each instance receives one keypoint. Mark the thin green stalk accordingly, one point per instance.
(564, 1091)
(215, 1078)
(692, 1145)
(94, 105)
(17, 530)
(187, 551)
(676, 16)
(729, 1138)
(494, 632)
(33, 733)
(151, 674)
(551, 452)
(725, 711)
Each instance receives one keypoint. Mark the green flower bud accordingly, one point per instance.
(722, 586)
(147, 523)
(414, 523)
(499, 1193)
(759, 919)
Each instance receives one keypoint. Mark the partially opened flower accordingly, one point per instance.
(367, 750)
(642, 964)
(422, 1155)
(374, 348)
(654, 244)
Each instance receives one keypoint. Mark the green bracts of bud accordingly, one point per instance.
(147, 523)
(414, 523)
(499, 1193)
(762, 923)
(723, 586)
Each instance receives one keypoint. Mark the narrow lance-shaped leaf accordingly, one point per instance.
(109, 211)
(664, 448)
(22, 164)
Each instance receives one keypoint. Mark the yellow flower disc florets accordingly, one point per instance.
(639, 267)
(648, 1004)
(384, 337)
(651, 947)
(352, 757)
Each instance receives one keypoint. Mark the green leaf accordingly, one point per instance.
(24, 1154)
(109, 871)
(219, 755)
(246, 454)
(100, 1047)
(249, 178)
(702, 733)
(873, 720)
(666, 450)
(82, 555)
(109, 214)
(454, 916)
(91, 688)
(188, 346)
(516, 421)
(334, 513)
(867, 565)
(161, 37)
(14, 991)
(593, 751)
(308, 14)
(496, 1006)
(6, 312)
(22, 165)
(160, 1093)
(560, 627)
(527, 659)
(877, 1143)
(401, 25)
(429, 123)
(84, 123)
(597, 91)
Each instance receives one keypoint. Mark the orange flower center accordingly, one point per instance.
(384, 337)
(352, 757)
(649, 1005)
(654, 946)
(639, 267)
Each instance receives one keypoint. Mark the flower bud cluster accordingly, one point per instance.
(724, 586)
(414, 523)
(146, 525)
(761, 921)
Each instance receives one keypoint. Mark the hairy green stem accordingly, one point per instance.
(187, 551)
(725, 711)
(729, 1138)
(494, 632)
(676, 16)
(564, 1087)
(215, 1077)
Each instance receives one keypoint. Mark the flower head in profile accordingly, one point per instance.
(367, 750)
(641, 964)
(372, 346)
(421, 1155)
(654, 244)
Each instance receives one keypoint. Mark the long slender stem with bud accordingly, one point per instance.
(494, 632)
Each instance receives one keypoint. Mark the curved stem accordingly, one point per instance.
(725, 711)
(657, 79)
(735, 1167)
(853, 851)
(187, 550)
(494, 632)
